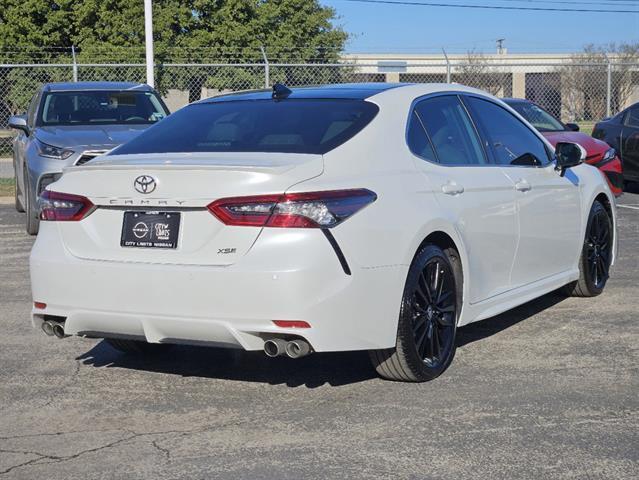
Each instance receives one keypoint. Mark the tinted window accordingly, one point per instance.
(537, 117)
(288, 126)
(511, 142)
(632, 119)
(417, 139)
(451, 131)
(101, 107)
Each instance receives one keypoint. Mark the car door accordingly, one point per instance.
(548, 205)
(630, 144)
(476, 196)
(21, 142)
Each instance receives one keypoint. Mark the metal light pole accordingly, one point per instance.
(148, 40)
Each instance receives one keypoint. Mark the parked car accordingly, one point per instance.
(70, 124)
(622, 133)
(349, 217)
(598, 153)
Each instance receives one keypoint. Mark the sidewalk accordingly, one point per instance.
(6, 168)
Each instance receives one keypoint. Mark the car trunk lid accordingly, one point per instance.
(180, 183)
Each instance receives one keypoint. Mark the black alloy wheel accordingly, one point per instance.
(432, 299)
(434, 312)
(598, 248)
(596, 255)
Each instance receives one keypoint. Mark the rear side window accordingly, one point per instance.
(511, 142)
(287, 126)
(451, 131)
(417, 139)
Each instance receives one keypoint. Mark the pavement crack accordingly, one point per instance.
(165, 451)
(68, 383)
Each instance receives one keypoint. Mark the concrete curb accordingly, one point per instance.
(6, 200)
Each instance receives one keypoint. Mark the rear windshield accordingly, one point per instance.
(102, 107)
(287, 126)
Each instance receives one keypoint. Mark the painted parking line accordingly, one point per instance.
(632, 207)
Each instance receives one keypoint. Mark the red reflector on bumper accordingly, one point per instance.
(40, 305)
(291, 323)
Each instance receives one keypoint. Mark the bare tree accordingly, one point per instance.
(584, 80)
(476, 71)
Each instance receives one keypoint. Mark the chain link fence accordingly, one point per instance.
(570, 90)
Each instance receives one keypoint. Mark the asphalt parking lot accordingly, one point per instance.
(549, 390)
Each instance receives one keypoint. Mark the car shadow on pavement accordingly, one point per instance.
(334, 369)
(486, 328)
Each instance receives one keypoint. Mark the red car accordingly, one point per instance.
(598, 153)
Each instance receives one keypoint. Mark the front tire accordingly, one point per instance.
(596, 255)
(137, 346)
(17, 192)
(425, 344)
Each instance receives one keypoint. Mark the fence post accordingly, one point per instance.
(267, 73)
(609, 90)
(447, 66)
(75, 64)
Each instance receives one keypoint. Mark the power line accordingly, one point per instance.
(629, 3)
(491, 7)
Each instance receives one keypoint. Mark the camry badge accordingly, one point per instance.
(145, 184)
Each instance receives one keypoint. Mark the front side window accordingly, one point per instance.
(511, 141)
(285, 126)
(100, 107)
(538, 117)
(33, 105)
(632, 119)
(451, 131)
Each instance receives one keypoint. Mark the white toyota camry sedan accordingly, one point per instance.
(375, 217)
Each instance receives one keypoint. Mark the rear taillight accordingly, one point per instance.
(64, 207)
(292, 210)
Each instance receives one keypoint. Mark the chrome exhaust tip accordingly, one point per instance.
(274, 347)
(47, 327)
(58, 330)
(297, 348)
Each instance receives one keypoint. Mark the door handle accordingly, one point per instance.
(452, 189)
(522, 186)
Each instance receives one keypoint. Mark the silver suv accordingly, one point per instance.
(70, 124)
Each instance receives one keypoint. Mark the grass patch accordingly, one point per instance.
(6, 187)
(586, 127)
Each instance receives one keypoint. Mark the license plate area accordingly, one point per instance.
(150, 229)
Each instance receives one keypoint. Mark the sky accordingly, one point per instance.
(381, 28)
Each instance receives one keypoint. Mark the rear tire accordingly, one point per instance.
(137, 346)
(596, 255)
(32, 223)
(432, 299)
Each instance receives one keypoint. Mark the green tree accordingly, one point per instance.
(193, 31)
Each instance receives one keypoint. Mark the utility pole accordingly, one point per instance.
(500, 45)
(447, 66)
(148, 41)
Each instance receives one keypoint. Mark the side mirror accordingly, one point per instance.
(573, 127)
(19, 122)
(568, 155)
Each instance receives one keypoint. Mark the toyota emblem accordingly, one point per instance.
(145, 184)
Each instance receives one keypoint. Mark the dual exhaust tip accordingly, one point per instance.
(275, 347)
(53, 329)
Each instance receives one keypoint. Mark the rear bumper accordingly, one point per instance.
(287, 275)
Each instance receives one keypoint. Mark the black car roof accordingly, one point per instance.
(353, 91)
